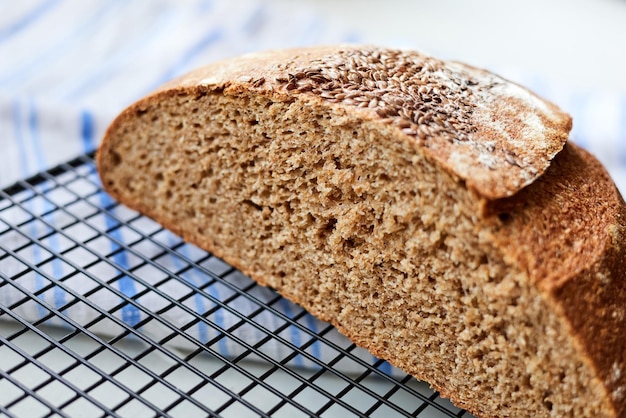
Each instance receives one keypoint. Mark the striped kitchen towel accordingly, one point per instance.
(67, 67)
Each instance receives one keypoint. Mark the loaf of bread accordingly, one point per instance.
(433, 212)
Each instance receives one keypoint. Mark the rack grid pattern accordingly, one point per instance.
(105, 313)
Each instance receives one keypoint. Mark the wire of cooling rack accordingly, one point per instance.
(105, 313)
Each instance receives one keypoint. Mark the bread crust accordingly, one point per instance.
(576, 259)
(502, 155)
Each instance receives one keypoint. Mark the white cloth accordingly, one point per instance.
(67, 67)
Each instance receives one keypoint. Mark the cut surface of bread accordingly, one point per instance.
(431, 211)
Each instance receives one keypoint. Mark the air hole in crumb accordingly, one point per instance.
(154, 118)
(384, 177)
(336, 195)
(504, 216)
(548, 405)
(246, 164)
(328, 228)
(250, 203)
(179, 127)
(158, 177)
(253, 122)
(212, 200)
(116, 158)
(281, 274)
(194, 110)
(168, 194)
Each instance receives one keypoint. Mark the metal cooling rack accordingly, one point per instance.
(104, 313)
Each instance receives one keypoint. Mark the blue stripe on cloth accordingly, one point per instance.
(33, 126)
(180, 65)
(26, 20)
(255, 21)
(126, 285)
(294, 333)
(37, 146)
(385, 367)
(116, 62)
(19, 139)
(203, 334)
(316, 346)
(87, 131)
(34, 65)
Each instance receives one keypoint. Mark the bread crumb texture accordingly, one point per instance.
(379, 189)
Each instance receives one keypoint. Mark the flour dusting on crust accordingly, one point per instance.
(494, 134)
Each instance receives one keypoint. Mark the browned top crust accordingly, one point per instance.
(493, 134)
